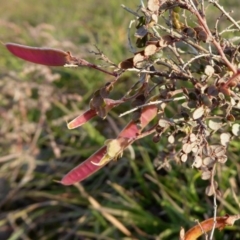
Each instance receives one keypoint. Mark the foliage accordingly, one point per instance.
(187, 73)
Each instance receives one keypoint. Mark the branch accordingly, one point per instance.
(152, 103)
(215, 3)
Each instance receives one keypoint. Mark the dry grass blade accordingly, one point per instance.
(94, 203)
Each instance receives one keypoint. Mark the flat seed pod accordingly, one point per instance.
(83, 118)
(44, 56)
(201, 228)
(93, 163)
(84, 169)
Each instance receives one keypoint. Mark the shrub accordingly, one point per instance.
(188, 84)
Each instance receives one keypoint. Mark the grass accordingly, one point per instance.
(37, 148)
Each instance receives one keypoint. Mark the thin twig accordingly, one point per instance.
(214, 2)
(90, 65)
(196, 57)
(150, 104)
(102, 56)
(228, 29)
(184, 39)
(211, 55)
(129, 37)
(130, 10)
(212, 39)
(175, 52)
(142, 3)
(214, 203)
(180, 76)
(216, 25)
(203, 8)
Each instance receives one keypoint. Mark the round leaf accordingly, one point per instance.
(215, 124)
(225, 138)
(171, 139)
(184, 157)
(236, 129)
(187, 148)
(206, 175)
(197, 162)
(198, 113)
(209, 70)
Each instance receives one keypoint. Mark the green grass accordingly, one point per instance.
(37, 148)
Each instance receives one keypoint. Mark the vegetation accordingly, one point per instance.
(157, 186)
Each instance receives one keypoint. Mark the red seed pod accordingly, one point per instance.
(44, 56)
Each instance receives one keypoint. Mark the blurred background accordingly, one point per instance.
(36, 148)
